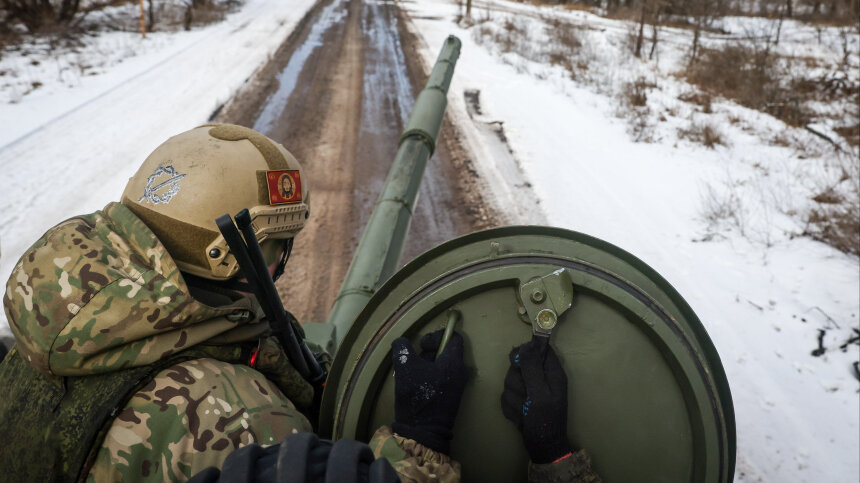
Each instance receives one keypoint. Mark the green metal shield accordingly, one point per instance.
(648, 397)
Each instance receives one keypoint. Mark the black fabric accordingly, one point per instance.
(381, 471)
(427, 390)
(247, 464)
(241, 465)
(302, 458)
(349, 461)
(535, 400)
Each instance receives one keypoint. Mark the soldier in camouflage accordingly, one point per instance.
(137, 359)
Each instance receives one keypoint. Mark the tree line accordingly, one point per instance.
(37, 16)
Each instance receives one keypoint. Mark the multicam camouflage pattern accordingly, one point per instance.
(190, 417)
(99, 292)
(411, 460)
(414, 462)
(274, 363)
(574, 468)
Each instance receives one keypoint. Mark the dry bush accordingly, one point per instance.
(174, 14)
(641, 124)
(753, 76)
(565, 47)
(38, 15)
(700, 99)
(735, 72)
(513, 37)
(837, 226)
(835, 217)
(704, 134)
(722, 208)
(635, 93)
(123, 15)
(851, 134)
(634, 107)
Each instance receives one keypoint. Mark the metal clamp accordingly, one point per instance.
(545, 299)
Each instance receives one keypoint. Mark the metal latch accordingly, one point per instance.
(545, 299)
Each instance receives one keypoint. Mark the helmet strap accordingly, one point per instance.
(279, 270)
(224, 287)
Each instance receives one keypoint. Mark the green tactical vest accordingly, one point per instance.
(52, 427)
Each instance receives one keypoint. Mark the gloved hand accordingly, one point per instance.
(535, 400)
(427, 390)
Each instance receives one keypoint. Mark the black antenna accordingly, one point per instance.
(252, 273)
(270, 293)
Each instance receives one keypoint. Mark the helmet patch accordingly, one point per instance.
(285, 186)
(161, 186)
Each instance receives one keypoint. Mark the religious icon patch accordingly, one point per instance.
(285, 186)
(161, 186)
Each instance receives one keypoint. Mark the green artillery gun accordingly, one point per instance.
(648, 397)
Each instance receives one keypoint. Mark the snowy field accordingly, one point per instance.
(762, 293)
(68, 147)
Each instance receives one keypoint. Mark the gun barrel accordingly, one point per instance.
(381, 244)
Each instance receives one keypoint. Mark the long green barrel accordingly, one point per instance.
(378, 252)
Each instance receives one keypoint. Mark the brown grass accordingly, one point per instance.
(700, 99)
(835, 218)
(851, 134)
(704, 134)
(750, 76)
(837, 225)
(635, 94)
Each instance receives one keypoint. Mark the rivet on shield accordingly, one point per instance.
(546, 319)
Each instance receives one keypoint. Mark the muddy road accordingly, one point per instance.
(337, 94)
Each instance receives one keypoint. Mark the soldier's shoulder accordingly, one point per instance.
(190, 417)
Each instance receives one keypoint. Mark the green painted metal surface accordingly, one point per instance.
(381, 244)
(648, 397)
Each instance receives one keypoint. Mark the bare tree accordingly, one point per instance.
(37, 15)
(703, 13)
(649, 13)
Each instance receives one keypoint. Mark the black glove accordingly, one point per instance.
(535, 399)
(301, 458)
(427, 390)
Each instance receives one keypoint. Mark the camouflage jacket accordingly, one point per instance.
(412, 461)
(99, 293)
(415, 463)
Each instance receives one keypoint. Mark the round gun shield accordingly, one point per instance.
(648, 398)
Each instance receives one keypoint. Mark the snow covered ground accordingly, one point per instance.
(68, 147)
(762, 293)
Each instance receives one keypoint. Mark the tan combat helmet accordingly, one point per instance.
(209, 171)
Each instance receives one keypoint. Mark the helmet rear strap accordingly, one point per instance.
(285, 255)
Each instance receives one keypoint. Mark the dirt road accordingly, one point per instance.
(337, 94)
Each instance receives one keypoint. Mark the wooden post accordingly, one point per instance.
(142, 21)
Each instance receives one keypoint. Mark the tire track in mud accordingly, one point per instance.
(337, 94)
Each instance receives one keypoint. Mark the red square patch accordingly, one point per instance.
(285, 186)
